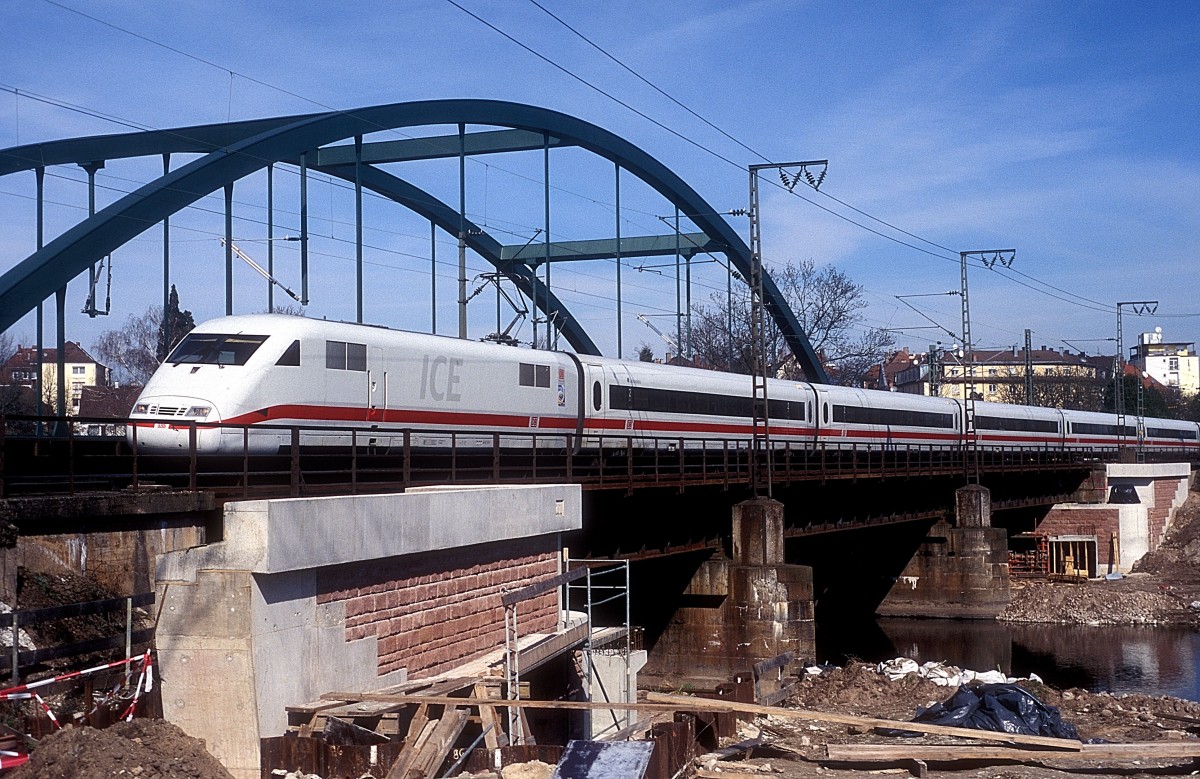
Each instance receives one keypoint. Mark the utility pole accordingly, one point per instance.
(1139, 307)
(761, 447)
(1028, 367)
(989, 258)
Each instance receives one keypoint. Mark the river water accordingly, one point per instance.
(1150, 660)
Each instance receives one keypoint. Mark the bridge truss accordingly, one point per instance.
(333, 143)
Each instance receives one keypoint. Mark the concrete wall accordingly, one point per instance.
(306, 596)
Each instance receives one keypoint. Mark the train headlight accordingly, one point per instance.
(200, 412)
(141, 408)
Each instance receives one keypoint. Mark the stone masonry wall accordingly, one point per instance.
(1160, 513)
(437, 610)
(1100, 521)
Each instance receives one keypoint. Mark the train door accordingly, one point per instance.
(822, 417)
(622, 405)
(377, 379)
(1060, 443)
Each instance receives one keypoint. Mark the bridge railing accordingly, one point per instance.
(47, 454)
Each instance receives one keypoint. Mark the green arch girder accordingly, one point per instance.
(286, 138)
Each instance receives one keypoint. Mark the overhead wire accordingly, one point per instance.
(1071, 298)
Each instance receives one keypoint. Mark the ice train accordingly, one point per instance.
(263, 373)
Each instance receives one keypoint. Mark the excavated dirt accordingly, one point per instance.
(1163, 590)
(796, 747)
(142, 749)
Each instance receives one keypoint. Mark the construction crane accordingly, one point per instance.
(669, 340)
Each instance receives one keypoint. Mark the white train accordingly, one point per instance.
(245, 380)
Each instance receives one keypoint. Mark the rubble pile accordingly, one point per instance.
(1163, 590)
(141, 749)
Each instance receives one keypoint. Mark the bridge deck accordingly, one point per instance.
(31, 464)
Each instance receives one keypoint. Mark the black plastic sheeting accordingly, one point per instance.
(1004, 708)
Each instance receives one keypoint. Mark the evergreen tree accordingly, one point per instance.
(174, 326)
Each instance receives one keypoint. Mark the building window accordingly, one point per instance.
(78, 370)
(991, 371)
(1173, 364)
(991, 388)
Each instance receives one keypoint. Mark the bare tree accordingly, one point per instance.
(1056, 388)
(829, 306)
(132, 350)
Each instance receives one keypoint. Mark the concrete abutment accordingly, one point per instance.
(310, 595)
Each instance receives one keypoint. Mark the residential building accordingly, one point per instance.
(1060, 378)
(82, 370)
(1173, 364)
(102, 403)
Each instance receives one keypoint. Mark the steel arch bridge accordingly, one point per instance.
(233, 150)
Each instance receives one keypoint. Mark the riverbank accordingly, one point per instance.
(1164, 588)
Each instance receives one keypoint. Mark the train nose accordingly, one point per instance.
(163, 423)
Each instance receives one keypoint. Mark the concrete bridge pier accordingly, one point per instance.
(960, 571)
(739, 611)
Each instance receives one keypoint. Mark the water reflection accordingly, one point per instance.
(1151, 660)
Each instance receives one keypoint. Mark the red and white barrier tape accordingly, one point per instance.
(12, 759)
(145, 683)
(22, 690)
(49, 712)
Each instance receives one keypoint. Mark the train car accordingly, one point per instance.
(1171, 435)
(1007, 426)
(849, 417)
(669, 406)
(1092, 431)
(256, 375)
(245, 382)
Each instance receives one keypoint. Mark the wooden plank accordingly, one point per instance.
(412, 748)
(1145, 750)
(671, 703)
(30, 656)
(487, 718)
(363, 709)
(687, 703)
(442, 741)
(546, 585)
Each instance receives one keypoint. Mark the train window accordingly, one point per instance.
(1166, 432)
(702, 403)
(896, 417)
(344, 356)
(1090, 428)
(335, 354)
(291, 356)
(825, 413)
(597, 396)
(216, 349)
(1009, 423)
(534, 375)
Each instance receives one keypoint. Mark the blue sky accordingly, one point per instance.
(1064, 130)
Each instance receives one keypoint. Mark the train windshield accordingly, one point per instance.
(216, 348)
